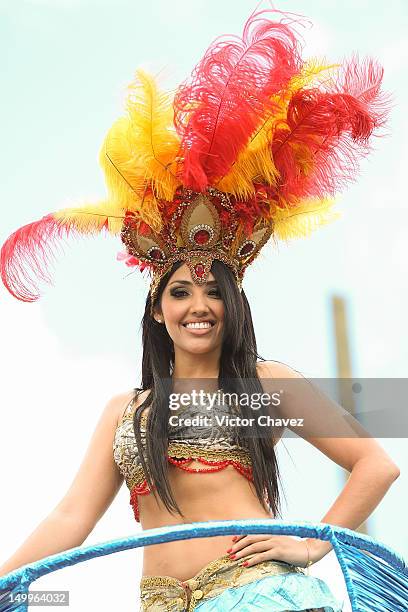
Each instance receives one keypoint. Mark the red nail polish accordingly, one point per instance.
(229, 550)
(234, 538)
(245, 563)
(232, 556)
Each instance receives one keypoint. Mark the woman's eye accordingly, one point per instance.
(181, 292)
(178, 293)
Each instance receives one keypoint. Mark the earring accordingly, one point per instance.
(159, 320)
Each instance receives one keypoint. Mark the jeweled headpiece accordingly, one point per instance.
(254, 145)
(203, 227)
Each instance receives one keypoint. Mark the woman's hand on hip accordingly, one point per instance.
(269, 548)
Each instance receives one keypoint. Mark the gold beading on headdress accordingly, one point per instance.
(196, 235)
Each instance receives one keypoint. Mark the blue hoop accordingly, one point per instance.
(376, 579)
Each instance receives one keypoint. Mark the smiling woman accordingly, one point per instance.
(192, 311)
(252, 147)
(202, 471)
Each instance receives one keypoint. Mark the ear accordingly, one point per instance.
(158, 315)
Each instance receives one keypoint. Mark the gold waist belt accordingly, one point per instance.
(168, 594)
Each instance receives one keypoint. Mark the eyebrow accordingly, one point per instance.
(186, 282)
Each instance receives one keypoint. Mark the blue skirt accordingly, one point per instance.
(224, 584)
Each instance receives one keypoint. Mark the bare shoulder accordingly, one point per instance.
(276, 369)
(98, 466)
(118, 403)
(319, 420)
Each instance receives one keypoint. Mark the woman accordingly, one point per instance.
(259, 143)
(214, 353)
(226, 495)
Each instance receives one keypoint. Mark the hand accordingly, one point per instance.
(275, 548)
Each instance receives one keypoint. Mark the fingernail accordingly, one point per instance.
(245, 563)
(234, 538)
(232, 556)
(229, 550)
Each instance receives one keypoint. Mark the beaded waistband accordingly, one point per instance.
(168, 593)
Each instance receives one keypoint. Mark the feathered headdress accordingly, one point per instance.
(254, 145)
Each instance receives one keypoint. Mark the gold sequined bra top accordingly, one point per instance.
(212, 441)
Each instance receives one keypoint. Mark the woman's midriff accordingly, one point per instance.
(223, 495)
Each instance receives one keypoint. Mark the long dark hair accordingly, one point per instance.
(237, 369)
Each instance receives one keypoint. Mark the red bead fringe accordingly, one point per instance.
(216, 466)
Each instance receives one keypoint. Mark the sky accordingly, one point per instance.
(65, 67)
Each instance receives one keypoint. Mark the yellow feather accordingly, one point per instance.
(150, 214)
(254, 164)
(314, 72)
(91, 218)
(152, 129)
(139, 154)
(300, 221)
(125, 181)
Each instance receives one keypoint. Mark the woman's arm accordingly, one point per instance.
(371, 476)
(56, 533)
(372, 471)
(92, 491)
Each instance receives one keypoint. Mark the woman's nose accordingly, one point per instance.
(199, 303)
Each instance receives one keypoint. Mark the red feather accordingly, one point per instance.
(317, 150)
(228, 95)
(26, 255)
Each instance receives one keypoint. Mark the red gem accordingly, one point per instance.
(246, 249)
(199, 270)
(202, 236)
(156, 254)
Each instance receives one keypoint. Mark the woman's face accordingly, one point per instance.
(185, 302)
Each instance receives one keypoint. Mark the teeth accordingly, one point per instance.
(198, 325)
